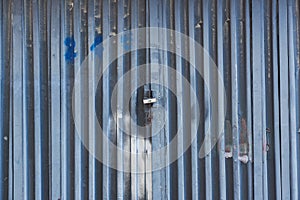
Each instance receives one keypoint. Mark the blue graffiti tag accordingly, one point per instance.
(95, 46)
(98, 40)
(70, 54)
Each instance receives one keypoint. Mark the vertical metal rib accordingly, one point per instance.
(297, 74)
(284, 99)
(97, 103)
(55, 100)
(157, 74)
(91, 15)
(121, 136)
(194, 85)
(206, 46)
(133, 143)
(270, 105)
(276, 118)
(292, 100)
(235, 98)
(220, 22)
(249, 129)
(172, 122)
(28, 103)
(5, 93)
(67, 80)
(18, 175)
(257, 13)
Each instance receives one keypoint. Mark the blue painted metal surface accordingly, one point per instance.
(255, 45)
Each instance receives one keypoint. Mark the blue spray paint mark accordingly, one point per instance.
(98, 40)
(95, 46)
(126, 40)
(70, 55)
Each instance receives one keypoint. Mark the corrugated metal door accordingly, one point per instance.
(140, 99)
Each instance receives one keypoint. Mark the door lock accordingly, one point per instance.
(149, 100)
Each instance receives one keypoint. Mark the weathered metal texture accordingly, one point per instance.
(256, 46)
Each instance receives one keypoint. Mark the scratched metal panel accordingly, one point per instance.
(255, 46)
